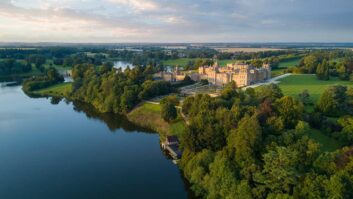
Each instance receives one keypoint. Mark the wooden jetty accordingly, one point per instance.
(171, 145)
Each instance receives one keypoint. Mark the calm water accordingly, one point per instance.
(122, 64)
(55, 149)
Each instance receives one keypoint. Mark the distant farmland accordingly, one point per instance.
(247, 50)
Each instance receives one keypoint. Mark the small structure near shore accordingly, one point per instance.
(171, 145)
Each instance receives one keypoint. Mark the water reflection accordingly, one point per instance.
(54, 148)
(122, 64)
(113, 121)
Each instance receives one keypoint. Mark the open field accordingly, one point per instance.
(284, 65)
(179, 62)
(232, 50)
(295, 84)
(149, 116)
(289, 63)
(58, 90)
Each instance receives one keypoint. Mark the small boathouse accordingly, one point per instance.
(171, 145)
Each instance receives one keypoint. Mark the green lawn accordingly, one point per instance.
(149, 115)
(227, 61)
(58, 90)
(155, 108)
(179, 62)
(295, 84)
(327, 143)
(289, 63)
(284, 65)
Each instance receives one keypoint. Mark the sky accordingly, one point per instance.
(113, 21)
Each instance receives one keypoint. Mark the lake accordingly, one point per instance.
(51, 148)
(122, 64)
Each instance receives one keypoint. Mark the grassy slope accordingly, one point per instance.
(58, 90)
(295, 84)
(149, 115)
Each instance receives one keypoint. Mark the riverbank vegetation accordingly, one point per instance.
(57, 90)
(149, 116)
(52, 77)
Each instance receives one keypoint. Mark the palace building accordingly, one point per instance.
(242, 74)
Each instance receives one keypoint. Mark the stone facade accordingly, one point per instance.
(242, 74)
(176, 75)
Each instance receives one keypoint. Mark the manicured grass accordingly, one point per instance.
(227, 61)
(179, 62)
(289, 63)
(284, 65)
(295, 84)
(327, 143)
(58, 90)
(149, 116)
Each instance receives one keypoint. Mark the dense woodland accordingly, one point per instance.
(117, 91)
(11, 66)
(254, 144)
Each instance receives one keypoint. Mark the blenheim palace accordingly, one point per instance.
(242, 74)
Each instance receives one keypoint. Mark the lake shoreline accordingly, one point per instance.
(139, 115)
(89, 149)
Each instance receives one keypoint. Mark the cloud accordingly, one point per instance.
(175, 20)
(137, 5)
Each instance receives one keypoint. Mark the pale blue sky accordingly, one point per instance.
(176, 20)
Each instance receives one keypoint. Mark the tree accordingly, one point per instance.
(322, 71)
(290, 110)
(279, 174)
(168, 111)
(305, 97)
(332, 101)
(173, 99)
(347, 129)
(246, 140)
(221, 182)
(271, 92)
(53, 75)
(310, 63)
